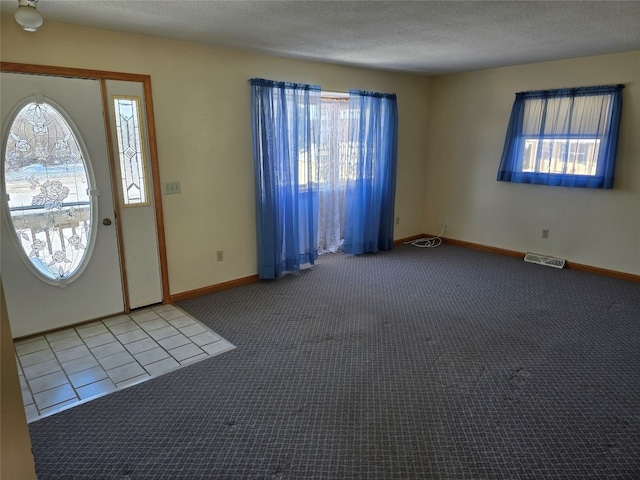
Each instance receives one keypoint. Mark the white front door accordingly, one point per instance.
(36, 305)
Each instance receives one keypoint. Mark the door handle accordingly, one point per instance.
(106, 221)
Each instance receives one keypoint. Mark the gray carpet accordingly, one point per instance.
(443, 363)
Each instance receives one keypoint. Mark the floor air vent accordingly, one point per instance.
(544, 260)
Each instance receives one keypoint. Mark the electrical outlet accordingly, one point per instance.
(220, 255)
(446, 221)
(545, 233)
(397, 220)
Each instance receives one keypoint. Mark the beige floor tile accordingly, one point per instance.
(61, 334)
(65, 343)
(205, 338)
(79, 364)
(47, 382)
(163, 366)
(40, 369)
(52, 397)
(194, 359)
(173, 342)
(107, 350)
(163, 332)
(132, 381)
(23, 348)
(124, 327)
(144, 316)
(72, 353)
(171, 314)
(100, 339)
(191, 330)
(153, 324)
(58, 407)
(60, 369)
(93, 330)
(151, 356)
(132, 336)
(27, 398)
(141, 345)
(36, 357)
(182, 321)
(110, 322)
(125, 372)
(116, 360)
(162, 308)
(31, 411)
(218, 347)
(185, 351)
(85, 377)
(97, 388)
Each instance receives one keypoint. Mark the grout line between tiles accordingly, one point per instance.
(148, 368)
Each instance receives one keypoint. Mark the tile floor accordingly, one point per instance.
(64, 368)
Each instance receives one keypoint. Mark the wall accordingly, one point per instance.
(16, 459)
(202, 109)
(469, 114)
(451, 136)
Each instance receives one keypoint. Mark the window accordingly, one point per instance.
(48, 191)
(330, 167)
(336, 149)
(333, 171)
(286, 121)
(130, 151)
(575, 157)
(565, 137)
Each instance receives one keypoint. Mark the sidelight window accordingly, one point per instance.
(131, 152)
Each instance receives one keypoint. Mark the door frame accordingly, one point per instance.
(145, 80)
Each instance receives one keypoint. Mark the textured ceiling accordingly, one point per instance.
(430, 37)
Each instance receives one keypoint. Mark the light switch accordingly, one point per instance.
(170, 188)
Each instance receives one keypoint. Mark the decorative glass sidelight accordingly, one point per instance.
(48, 190)
(130, 151)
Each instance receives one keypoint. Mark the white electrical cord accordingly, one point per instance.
(428, 242)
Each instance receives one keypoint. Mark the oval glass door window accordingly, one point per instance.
(48, 187)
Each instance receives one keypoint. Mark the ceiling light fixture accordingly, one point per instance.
(27, 16)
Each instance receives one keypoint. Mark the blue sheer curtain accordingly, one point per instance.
(286, 119)
(565, 137)
(371, 184)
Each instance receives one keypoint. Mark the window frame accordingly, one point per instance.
(42, 270)
(534, 121)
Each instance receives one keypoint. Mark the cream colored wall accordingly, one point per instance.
(202, 110)
(447, 166)
(468, 115)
